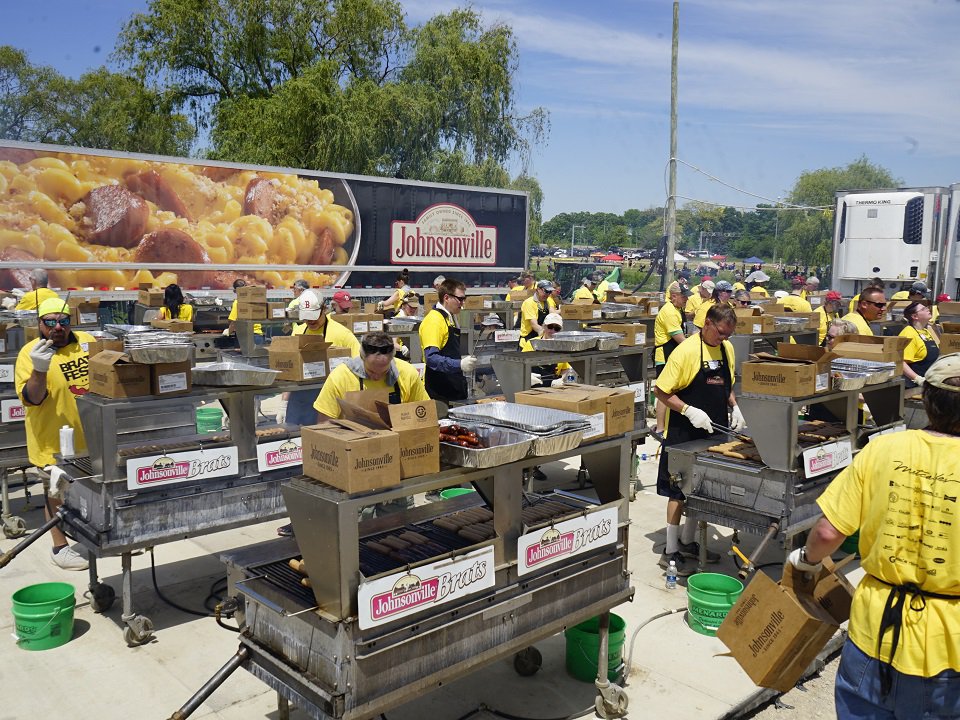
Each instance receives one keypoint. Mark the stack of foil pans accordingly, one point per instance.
(876, 372)
(553, 431)
(158, 346)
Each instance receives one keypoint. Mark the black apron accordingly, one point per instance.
(709, 391)
(669, 346)
(920, 367)
(542, 312)
(394, 397)
(300, 409)
(451, 385)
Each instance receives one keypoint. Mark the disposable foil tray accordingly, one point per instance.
(552, 444)
(124, 330)
(154, 354)
(876, 372)
(505, 446)
(566, 341)
(608, 340)
(612, 311)
(233, 373)
(526, 418)
(401, 324)
(848, 380)
(789, 323)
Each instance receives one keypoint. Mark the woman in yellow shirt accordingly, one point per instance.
(174, 308)
(924, 347)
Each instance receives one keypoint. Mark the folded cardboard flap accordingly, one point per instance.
(112, 357)
(296, 342)
(747, 311)
(951, 327)
(887, 342)
(346, 428)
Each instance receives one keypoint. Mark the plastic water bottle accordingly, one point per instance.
(570, 377)
(672, 575)
(66, 441)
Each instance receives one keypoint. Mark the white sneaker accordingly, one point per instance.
(69, 559)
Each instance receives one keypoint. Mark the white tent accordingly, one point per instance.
(677, 257)
(710, 265)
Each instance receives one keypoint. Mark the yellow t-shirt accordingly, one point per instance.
(824, 322)
(759, 290)
(863, 327)
(337, 335)
(693, 302)
(901, 295)
(796, 304)
(257, 327)
(669, 322)
(68, 376)
(552, 303)
(684, 363)
(33, 299)
(342, 380)
(528, 314)
(584, 293)
(185, 313)
(700, 317)
(853, 302)
(434, 330)
(601, 291)
(916, 350)
(900, 493)
(401, 294)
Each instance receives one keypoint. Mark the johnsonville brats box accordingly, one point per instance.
(152, 297)
(360, 323)
(414, 422)
(751, 321)
(169, 379)
(796, 371)
(351, 457)
(113, 374)
(576, 311)
(610, 410)
(774, 631)
(950, 340)
(304, 357)
(633, 333)
(251, 294)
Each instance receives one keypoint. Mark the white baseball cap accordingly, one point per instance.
(553, 319)
(310, 306)
(614, 286)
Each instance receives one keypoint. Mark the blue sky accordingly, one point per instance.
(767, 88)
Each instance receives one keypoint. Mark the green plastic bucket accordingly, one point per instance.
(454, 492)
(209, 419)
(852, 543)
(583, 648)
(43, 615)
(709, 598)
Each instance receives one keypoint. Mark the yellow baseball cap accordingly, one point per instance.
(51, 306)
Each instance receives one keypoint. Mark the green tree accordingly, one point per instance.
(816, 188)
(807, 239)
(24, 96)
(530, 184)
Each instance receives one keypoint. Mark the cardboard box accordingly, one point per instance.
(633, 333)
(610, 409)
(784, 376)
(152, 297)
(251, 311)
(295, 342)
(949, 308)
(754, 324)
(310, 362)
(173, 325)
(883, 348)
(277, 310)
(429, 299)
(351, 457)
(477, 302)
(113, 374)
(774, 631)
(256, 294)
(415, 423)
(949, 343)
(626, 299)
(576, 311)
(360, 323)
(520, 295)
(84, 312)
(169, 379)
(96, 346)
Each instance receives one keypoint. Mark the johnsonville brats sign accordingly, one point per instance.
(154, 471)
(443, 233)
(279, 454)
(425, 588)
(566, 539)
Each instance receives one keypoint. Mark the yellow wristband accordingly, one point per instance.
(683, 410)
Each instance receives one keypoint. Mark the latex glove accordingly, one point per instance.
(698, 418)
(58, 482)
(557, 383)
(919, 380)
(468, 364)
(736, 419)
(218, 301)
(535, 379)
(380, 305)
(281, 417)
(794, 559)
(41, 355)
(226, 331)
(9, 303)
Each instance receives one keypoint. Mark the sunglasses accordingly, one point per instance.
(554, 327)
(378, 349)
(53, 322)
(744, 302)
(459, 298)
(878, 305)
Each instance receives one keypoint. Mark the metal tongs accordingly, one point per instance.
(732, 433)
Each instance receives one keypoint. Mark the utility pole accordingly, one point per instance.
(671, 228)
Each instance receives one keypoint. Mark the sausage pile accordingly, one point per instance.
(464, 437)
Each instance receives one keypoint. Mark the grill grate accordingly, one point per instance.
(83, 463)
(280, 574)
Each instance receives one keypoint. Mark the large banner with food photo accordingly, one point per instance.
(113, 220)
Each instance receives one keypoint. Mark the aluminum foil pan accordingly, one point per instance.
(506, 446)
(608, 340)
(567, 341)
(401, 324)
(153, 354)
(876, 372)
(125, 330)
(635, 311)
(552, 444)
(848, 380)
(233, 373)
(526, 418)
(789, 323)
(612, 313)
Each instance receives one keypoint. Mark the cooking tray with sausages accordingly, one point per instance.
(494, 445)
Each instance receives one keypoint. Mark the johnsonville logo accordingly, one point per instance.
(407, 592)
(442, 232)
(163, 468)
(16, 412)
(289, 453)
(552, 544)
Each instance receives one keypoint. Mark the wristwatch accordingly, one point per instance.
(803, 556)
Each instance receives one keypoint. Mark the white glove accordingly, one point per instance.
(380, 305)
(58, 482)
(794, 559)
(736, 419)
(557, 383)
(281, 412)
(42, 354)
(9, 303)
(218, 301)
(919, 380)
(467, 364)
(226, 331)
(698, 418)
(535, 379)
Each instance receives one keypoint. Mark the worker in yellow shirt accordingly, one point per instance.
(830, 310)
(738, 282)
(722, 292)
(667, 334)
(543, 374)
(402, 288)
(533, 311)
(875, 282)
(585, 291)
(699, 295)
(810, 286)
(526, 283)
(38, 291)
(901, 657)
(870, 307)
(924, 347)
(232, 317)
(794, 301)
(174, 307)
(445, 376)
(554, 301)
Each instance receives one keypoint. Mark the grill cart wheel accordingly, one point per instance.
(139, 630)
(101, 597)
(527, 661)
(13, 526)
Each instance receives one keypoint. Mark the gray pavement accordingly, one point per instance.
(672, 670)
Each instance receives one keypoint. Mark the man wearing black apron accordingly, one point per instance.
(440, 339)
(667, 334)
(696, 385)
(534, 310)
